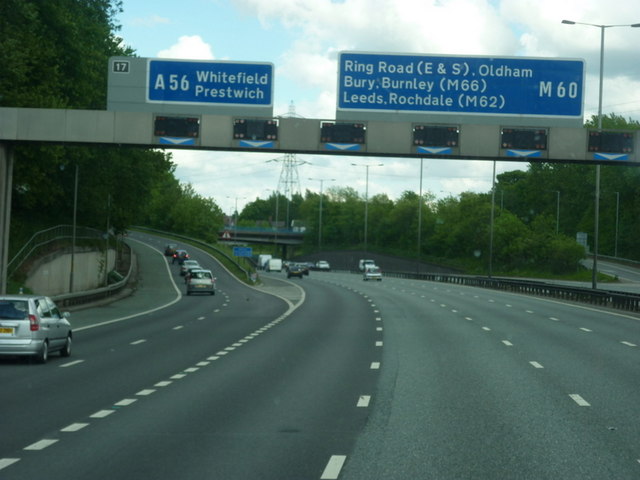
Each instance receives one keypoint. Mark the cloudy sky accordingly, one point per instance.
(302, 38)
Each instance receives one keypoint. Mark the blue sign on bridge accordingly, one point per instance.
(382, 82)
(210, 82)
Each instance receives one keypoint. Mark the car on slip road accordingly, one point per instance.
(201, 281)
(180, 256)
(186, 265)
(32, 325)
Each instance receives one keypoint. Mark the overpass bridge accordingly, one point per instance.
(280, 238)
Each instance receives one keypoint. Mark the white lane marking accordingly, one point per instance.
(469, 318)
(442, 305)
(202, 364)
(178, 327)
(71, 364)
(579, 400)
(529, 311)
(214, 357)
(508, 305)
(554, 319)
(146, 312)
(217, 310)
(378, 344)
(628, 344)
(364, 400)
(145, 392)
(74, 427)
(375, 365)
(138, 342)
(454, 311)
(585, 329)
(200, 318)
(507, 343)
(163, 383)
(236, 345)
(486, 329)
(378, 319)
(333, 468)
(378, 329)
(230, 349)
(177, 376)
(102, 413)
(191, 369)
(5, 462)
(125, 402)
(41, 444)
(536, 364)
(491, 300)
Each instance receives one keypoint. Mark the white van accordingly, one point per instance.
(274, 265)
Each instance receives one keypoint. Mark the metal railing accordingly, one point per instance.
(604, 298)
(45, 237)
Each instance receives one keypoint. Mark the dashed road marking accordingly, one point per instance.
(74, 427)
(585, 329)
(125, 402)
(628, 344)
(536, 364)
(102, 414)
(71, 364)
(364, 400)
(42, 444)
(333, 468)
(5, 462)
(507, 343)
(146, 392)
(138, 342)
(375, 365)
(579, 400)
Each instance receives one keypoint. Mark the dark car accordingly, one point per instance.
(296, 270)
(180, 256)
(170, 249)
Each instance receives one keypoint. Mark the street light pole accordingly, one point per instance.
(615, 250)
(366, 198)
(321, 180)
(594, 280)
(557, 211)
(73, 234)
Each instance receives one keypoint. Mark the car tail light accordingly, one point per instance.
(34, 323)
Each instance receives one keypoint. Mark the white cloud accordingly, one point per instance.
(189, 47)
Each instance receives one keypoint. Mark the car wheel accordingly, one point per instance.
(43, 355)
(66, 350)
(188, 292)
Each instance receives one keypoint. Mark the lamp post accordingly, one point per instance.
(366, 197)
(321, 180)
(557, 211)
(594, 281)
(73, 235)
(235, 223)
(615, 248)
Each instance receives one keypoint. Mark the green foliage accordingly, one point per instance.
(55, 55)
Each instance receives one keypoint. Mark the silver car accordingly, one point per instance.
(32, 325)
(201, 281)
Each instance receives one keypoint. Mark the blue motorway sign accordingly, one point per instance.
(209, 82)
(242, 251)
(451, 84)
